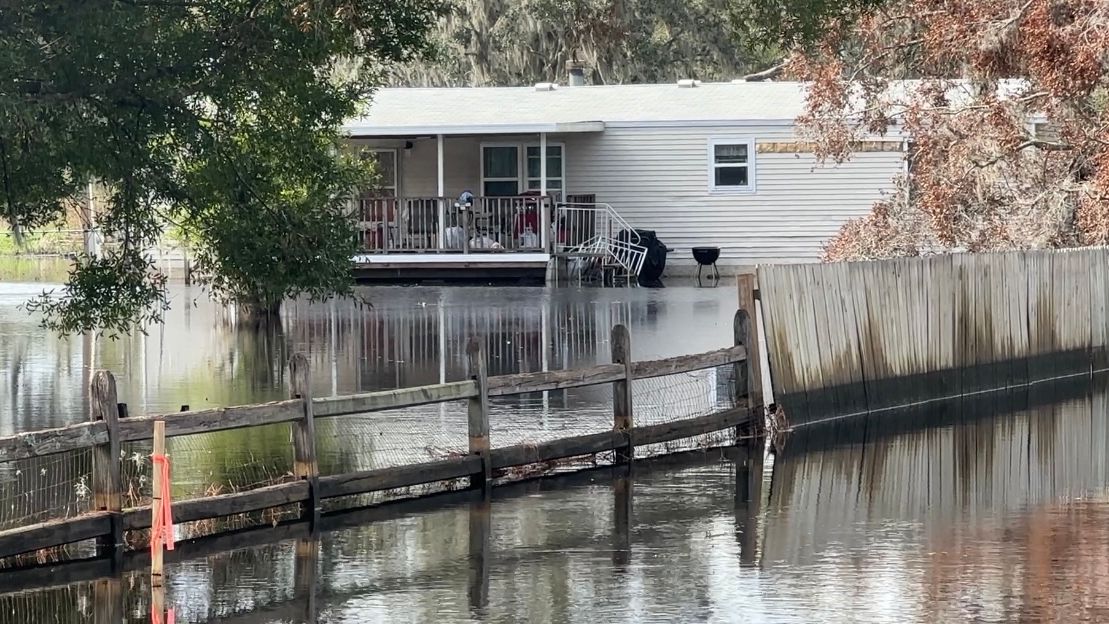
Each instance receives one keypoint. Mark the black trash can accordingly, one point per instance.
(655, 262)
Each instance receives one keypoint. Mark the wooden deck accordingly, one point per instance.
(480, 267)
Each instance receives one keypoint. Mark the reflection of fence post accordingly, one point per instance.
(622, 391)
(305, 565)
(747, 302)
(479, 411)
(622, 503)
(305, 465)
(480, 533)
(748, 500)
(107, 483)
(107, 601)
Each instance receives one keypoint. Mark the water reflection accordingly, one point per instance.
(410, 336)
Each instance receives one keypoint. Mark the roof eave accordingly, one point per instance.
(356, 130)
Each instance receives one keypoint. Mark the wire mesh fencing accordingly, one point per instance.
(389, 439)
(685, 396)
(47, 487)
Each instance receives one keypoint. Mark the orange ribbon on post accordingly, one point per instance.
(156, 618)
(161, 530)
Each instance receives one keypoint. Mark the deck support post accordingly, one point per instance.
(747, 303)
(305, 466)
(107, 482)
(622, 391)
(544, 207)
(442, 200)
(479, 412)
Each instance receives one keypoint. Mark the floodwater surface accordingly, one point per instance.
(989, 510)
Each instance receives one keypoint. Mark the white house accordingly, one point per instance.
(717, 165)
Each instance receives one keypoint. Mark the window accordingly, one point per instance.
(509, 169)
(554, 168)
(385, 169)
(500, 170)
(732, 165)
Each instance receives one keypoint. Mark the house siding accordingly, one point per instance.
(657, 179)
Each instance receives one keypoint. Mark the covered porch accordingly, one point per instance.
(470, 190)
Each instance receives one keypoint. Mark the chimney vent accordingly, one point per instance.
(576, 71)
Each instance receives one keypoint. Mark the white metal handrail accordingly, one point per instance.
(577, 223)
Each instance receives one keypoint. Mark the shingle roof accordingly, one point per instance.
(397, 111)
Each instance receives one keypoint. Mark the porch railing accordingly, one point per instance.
(436, 224)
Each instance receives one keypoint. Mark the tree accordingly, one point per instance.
(1008, 121)
(521, 42)
(218, 113)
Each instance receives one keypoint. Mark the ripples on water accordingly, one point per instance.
(988, 511)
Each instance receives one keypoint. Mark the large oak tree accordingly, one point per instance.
(220, 115)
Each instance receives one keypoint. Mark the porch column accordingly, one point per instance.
(441, 202)
(544, 212)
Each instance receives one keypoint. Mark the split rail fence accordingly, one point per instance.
(110, 427)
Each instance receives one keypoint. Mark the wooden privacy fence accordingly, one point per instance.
(109, 428)
(847, 338)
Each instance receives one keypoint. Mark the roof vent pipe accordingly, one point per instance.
(576, 71)
(689, 84)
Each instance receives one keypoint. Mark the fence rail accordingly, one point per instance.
(110, 427)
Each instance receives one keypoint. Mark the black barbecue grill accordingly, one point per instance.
(707, 257)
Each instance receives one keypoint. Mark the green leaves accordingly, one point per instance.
(204, 112)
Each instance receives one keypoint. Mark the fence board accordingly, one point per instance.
(852, 337)
(50, 441)
(204, 421)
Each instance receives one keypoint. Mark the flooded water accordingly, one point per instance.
(990, 510)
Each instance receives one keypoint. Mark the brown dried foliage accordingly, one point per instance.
(1005, 104)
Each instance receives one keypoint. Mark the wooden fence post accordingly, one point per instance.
(107, 482)
(157, 494)
(305, 465)
(747, 285)
(741, 327)
(622, 391)
(479, 411)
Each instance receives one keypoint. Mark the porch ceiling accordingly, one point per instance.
(357, 130)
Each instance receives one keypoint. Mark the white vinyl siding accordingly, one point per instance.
(656, 179)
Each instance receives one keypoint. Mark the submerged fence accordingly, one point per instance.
(403, 448)
(847, 338)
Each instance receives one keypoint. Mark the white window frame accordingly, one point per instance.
(562, 177)
(747, 189)
(521, 165)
